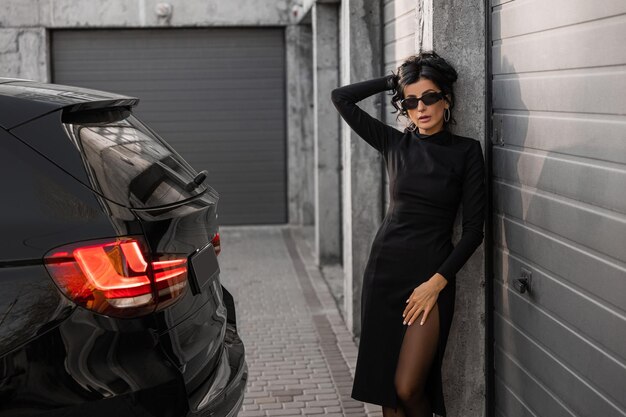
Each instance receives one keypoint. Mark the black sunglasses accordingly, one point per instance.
(410, 103)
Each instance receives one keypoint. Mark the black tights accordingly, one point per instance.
(416, 357)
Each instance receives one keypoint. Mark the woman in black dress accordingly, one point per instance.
(408, 294)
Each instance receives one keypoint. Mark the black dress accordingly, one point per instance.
(429, 177)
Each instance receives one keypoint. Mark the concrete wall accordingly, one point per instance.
(24, 53)
(361, 52)
(300, 123)
(327, 152)
(143, 13)
(458, 34)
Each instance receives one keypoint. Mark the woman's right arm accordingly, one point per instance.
(372, 130)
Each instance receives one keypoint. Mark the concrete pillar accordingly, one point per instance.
(299, 51)
(361, 59)
(327, 146)
(24, 53)
(455, 29)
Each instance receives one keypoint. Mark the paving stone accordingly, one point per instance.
(286, 413)
(320, 391)
(256, 394)
(304, 398)
(296, 404)
(313, 410)
(265, 400)
(274, 406)
(323, 403)
(333, 410)
(327, 397)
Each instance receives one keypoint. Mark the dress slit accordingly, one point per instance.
(433, 377)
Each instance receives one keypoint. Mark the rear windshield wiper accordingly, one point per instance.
(197, 181)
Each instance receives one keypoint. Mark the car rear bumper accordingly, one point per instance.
(88, 365)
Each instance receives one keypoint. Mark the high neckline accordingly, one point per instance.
(435, 137)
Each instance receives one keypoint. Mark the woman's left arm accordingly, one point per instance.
(474, 203)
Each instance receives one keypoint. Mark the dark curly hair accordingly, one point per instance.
(429, 65)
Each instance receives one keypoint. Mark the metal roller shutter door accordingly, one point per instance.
(216, 95)
(559, 165)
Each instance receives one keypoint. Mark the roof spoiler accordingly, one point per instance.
(108, 114)
(101, 104)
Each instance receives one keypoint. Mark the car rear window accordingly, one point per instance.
(128, 163)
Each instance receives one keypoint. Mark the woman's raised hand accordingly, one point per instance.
(392, 82)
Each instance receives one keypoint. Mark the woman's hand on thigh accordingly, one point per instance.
(423, 299)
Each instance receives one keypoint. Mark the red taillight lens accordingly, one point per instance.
(114, 277)
(171, 279)
(216, 243)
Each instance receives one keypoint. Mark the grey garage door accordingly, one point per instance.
(559, 165)
(216, 95)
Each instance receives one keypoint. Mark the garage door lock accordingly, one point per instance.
(522, 284)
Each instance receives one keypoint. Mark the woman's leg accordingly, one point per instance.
(390, 412)
(416, 358)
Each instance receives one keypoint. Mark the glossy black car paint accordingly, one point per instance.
(57, 358)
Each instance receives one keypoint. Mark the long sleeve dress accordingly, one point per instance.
(429, 177)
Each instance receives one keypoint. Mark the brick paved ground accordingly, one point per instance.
(300, 354)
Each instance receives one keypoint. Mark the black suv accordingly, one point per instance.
(110, 296)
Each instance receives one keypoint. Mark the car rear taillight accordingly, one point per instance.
(116, 277)
(216, 243)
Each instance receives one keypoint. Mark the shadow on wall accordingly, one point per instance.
(511, 206)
